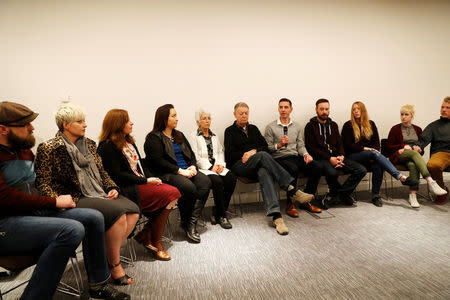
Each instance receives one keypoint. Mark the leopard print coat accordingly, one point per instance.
(55, 173)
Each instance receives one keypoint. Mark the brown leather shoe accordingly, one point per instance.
(292, 211)
(311, 208)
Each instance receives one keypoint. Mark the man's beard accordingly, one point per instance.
(323, 117)
(19, 143)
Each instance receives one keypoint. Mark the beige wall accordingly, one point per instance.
(138, 55)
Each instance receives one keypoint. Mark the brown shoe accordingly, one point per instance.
(441, 200)
(291, 210)
(311, 208)
(301, 197)
(280, 226)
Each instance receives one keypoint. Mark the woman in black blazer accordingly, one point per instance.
(170, 156)
(121, 159)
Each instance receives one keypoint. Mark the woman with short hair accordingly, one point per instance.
(211, 162)
(169, 156)
(122, 161)
(362, 144)
(402, 145)
(69, 164)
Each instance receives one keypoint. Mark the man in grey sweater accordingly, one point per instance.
(285, 143)
(438, 134)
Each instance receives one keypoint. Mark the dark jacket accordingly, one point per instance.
(55, 173)
(117, 166)
(348, 138)
(160, 155)
(395, 141)
(438, 134)
(323, 140)
(237, 142)
(17, 194)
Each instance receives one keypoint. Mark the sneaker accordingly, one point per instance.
(108, 292)
(280, 226)
(436, 189)
(224, 223)
(376, 200)
(301, 197)
(413, 201)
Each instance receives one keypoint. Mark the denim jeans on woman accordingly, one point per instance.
(377, 163)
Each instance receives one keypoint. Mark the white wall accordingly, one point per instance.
(139, 55)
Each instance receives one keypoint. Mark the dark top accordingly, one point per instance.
(118, 167)
(395, 141)
(438, 134)
(21, 197)
(348, 138)
(160, 155)
(237, 142)
(323, 140)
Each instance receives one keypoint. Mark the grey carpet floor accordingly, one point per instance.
(359, 252)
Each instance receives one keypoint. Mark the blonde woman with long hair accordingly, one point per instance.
(362, 144)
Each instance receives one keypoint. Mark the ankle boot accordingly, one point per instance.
(191, 229)
(144, 237)
(157, 227)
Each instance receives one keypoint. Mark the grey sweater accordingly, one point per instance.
(438, 134)
(274, 132)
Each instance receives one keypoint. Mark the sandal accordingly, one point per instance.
(121, 280)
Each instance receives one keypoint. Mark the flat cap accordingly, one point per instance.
(11, 112)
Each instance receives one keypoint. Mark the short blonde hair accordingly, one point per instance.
(68, 112)
(447, 99)
(408, 108)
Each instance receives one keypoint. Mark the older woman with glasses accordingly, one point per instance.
(69, 164)
(211, 162)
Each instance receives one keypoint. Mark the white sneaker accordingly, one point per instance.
(436, 189)
(413, 201)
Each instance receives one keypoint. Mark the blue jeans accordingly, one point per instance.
(378, 163)
(55, 239)
(356, 171)
(263, 167)
(94, 251)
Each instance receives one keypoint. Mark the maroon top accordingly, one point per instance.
(395, 141)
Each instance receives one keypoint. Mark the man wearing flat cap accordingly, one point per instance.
(48, 227)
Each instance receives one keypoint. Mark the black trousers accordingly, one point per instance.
(296, 164)
(223, 188)
(191, 189)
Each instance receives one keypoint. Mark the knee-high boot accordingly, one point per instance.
(144, 237)
(157, 227)
(191, 230)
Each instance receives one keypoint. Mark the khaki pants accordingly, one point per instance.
(438, 163)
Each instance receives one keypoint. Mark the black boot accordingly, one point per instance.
(191, 229)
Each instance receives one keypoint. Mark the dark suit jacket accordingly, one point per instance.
(160, 155)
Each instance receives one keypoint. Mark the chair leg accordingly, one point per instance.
(78, 288)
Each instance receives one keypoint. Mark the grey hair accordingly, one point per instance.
(200, 112)
(240, 104)
(68, 112)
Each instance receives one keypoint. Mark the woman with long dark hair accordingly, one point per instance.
(122, 161)
(171, 158)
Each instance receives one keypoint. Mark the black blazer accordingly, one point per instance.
(160, 155)
(117, 166)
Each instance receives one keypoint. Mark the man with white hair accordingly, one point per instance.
(246, 153)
